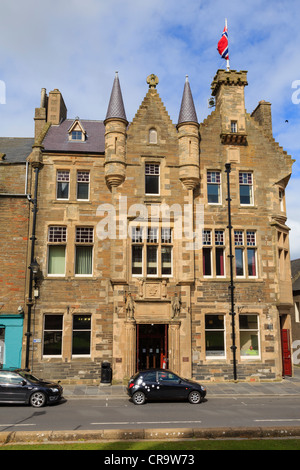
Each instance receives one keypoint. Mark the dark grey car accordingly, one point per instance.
(21, 387)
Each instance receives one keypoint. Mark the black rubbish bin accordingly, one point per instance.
(106, 373)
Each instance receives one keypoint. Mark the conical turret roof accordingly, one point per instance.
(187, 110)
(116, 106)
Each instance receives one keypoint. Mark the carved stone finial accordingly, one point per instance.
(152, 80)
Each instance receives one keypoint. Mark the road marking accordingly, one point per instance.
(15, 425)
(274, 420)
(148, 422)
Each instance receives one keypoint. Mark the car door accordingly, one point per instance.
(171, 387)
(151, 387)
(12, 387)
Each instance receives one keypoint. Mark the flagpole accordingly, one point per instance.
(227, 60)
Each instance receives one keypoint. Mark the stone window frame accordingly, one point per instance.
(214, 178)
(85, 180)
(216, 357)
(256, 332)
(46, 356)
(244, 241)
(246, 179)
(62, 176)
(56, 239)
(154, 237)
(152, 169)
(84, 237)
(213, 241)
(233, 126)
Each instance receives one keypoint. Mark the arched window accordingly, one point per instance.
(152, 136)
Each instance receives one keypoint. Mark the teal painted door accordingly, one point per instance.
(11, 334)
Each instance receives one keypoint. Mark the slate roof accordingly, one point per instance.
(16, 149)
(187, 110)
(57, 138)
(116, 106)
(296, 274)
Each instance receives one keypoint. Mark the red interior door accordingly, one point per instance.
(286, 353)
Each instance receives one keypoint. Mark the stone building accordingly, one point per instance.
(132, 241)
(295, 317)
(14, 235)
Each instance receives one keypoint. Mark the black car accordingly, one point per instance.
(162, 384)
(21, 387)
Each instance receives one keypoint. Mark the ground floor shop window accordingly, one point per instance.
(53, 328)
(214, 336)
(249, 336)
(81, 344)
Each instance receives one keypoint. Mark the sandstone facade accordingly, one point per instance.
(133, 243)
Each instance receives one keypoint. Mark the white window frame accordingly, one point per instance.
(213, 175)
(221, 357)
(56, 243)
(86, 182)
(62, 335)
(257, 331)
(91, 337)
(57, 181)
(86, 244)
(250, 185)
(148, 169)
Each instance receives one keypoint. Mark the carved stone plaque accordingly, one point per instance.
(152, 291)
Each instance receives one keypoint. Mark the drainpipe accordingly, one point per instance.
(36, 164)
(231, 287)
(32, 238)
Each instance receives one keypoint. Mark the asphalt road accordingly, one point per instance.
(120, 413)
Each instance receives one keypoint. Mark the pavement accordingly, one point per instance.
(290, 386)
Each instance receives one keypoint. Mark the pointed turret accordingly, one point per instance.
(116, 108)
(188, 136)
(187, 109)
(115, 137)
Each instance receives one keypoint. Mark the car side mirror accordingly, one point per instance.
(23, 383)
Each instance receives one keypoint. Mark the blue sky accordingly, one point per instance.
(77, 47)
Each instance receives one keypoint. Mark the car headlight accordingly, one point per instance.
(54, 390)
(203, 388)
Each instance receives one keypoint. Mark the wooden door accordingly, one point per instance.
(286, 353)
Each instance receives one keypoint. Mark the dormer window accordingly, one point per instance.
(76, 132)
(76, 135)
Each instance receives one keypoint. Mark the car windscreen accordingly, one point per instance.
(30, 377)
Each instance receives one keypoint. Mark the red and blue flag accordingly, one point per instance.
(223, 45)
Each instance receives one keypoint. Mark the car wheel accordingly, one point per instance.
(194, 397)
(38, 399)
(138, 398)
